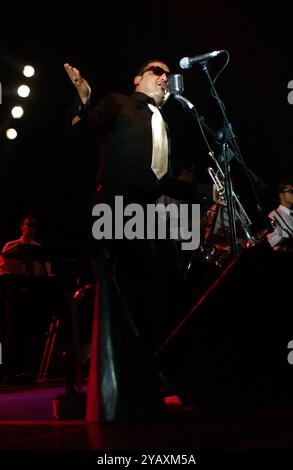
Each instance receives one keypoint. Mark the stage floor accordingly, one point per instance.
(27, 423)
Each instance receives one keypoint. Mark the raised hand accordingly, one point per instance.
(81, 85)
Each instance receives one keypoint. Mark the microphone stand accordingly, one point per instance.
(217, 136)
(228, 188)
(229, 136)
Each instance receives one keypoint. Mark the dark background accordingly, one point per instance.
(42, 173)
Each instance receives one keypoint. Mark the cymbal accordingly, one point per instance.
(26, 252)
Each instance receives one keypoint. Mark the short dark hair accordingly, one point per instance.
(282, 185)
(144, 66)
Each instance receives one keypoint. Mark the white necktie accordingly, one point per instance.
(160, 143)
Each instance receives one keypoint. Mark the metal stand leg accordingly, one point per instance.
(71, 404)
(48, 350)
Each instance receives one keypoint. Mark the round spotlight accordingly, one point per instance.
(23, 91)
(28, 71)
(11, 134)
(17, 112)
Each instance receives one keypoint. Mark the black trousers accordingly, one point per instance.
(148, 273)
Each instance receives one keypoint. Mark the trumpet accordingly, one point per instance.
(220, 188)
(240, 214)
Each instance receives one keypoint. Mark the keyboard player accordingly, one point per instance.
(25, 270)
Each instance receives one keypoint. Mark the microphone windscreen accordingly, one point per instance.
(184, 63)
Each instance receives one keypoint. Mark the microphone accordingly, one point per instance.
(175, 82)
(176, 87)
(187, 62)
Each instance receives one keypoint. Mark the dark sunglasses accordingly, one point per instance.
(290, 191)
(156, 70)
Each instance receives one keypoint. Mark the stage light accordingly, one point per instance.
(17, 112)
(28, 71)
(11, 134)
(23, 91)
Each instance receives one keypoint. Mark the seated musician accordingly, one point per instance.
(15, 261)
(25, 306)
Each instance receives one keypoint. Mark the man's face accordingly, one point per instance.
(153, 81)
(29, 227)
(286, 196)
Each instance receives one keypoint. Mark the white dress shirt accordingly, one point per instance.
(284, 227)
